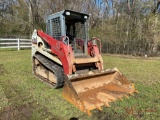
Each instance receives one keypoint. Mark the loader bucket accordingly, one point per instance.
(96, 89)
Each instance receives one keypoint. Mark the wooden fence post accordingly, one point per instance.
(18, 44)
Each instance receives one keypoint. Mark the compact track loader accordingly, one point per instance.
(65, 57)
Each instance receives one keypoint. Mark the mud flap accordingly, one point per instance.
(94, 90)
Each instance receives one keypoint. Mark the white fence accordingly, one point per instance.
(15, 43)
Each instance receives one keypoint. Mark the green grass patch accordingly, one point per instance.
(23, 96)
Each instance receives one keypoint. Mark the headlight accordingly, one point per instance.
(68, 13)
(85, 17)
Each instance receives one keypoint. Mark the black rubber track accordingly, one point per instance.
(52, 66)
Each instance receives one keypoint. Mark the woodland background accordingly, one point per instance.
(129, 27)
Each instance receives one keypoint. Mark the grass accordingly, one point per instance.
(22, 96)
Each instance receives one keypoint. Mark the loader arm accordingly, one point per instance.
(61, 50)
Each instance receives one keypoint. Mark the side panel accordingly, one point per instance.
(54, 28)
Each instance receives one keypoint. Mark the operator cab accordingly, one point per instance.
(71, 24)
